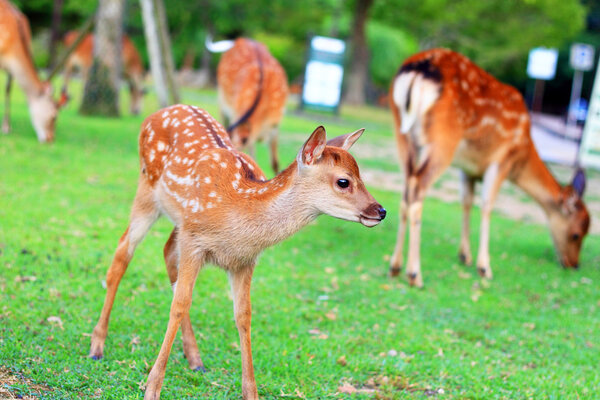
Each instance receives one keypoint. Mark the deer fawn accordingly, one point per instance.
(448, 110)
(252, 94)
(225, 213)
(83, 56)
(17, 60)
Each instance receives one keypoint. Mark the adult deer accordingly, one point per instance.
(16, 59)
(252, 94)
(83, 56)
(225, 213)
(448, 110)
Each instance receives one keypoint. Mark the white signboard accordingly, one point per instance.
(324, 73)
(582, 57)
(590, 146)
(542, 63)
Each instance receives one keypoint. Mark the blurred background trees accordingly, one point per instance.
(495, 34)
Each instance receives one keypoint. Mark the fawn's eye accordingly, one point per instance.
(343, 183)
(575, 237)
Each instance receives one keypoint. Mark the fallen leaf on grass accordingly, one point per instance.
(30, 278)
(346, 388)
(342, 361)
(55, 320)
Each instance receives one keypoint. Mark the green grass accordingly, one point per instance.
(532, 332)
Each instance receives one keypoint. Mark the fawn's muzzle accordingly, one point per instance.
(372, 215)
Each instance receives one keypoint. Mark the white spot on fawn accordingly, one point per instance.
(160, 146)
(207, 180)
(166, 122)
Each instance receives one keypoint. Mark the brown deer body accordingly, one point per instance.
(252, 95)
(82, 57)
(448, 110)
(16, 59)
(225, 213)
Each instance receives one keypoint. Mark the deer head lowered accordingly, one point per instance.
(225, 212)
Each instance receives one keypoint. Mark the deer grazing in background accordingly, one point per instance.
(253, 91)
(225, 213)
(447, 110)
(16, 59)
(82, 58)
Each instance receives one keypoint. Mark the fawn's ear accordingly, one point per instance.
(345, 141)
(579, 182)
(313, 148)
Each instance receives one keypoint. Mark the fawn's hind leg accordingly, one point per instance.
(143, 216)
(190, 347)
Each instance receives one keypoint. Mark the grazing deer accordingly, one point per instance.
(82, 58)
(447, 110)
(226, 213)
(252, 93)
(16, 59)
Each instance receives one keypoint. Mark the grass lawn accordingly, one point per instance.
(325, 314)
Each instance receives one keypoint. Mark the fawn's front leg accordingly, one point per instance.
(182, 299)
(240, 286)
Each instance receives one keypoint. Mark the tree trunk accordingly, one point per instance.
(101, 93)
(159, 51)
(359, 67)
(55, 31)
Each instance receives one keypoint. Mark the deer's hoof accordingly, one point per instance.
(395, 271)
(484, 272)
(200, 369)
(96, 358)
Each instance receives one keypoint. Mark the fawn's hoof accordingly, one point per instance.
(464, 258)
(96, 358)
(415, 279)
(200, 368)
(395, 271)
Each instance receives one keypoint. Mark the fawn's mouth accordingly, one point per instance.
(369, 222)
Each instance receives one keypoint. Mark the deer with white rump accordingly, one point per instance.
(448, 110)
(225, 212)
(16, 59)
(252, 93)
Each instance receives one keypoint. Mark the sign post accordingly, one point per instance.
(582, 59)
(541, 66)
(589, 151)
(323, 75)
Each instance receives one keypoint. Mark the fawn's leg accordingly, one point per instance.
(143, 216)
(190, 347)
(189, 266)
(468, 186)
(240, 287)
(6, 119)
(492, 180)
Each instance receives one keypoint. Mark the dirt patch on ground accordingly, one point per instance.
(8, 382)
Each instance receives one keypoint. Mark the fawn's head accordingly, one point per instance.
(570, 222)
(330, 178)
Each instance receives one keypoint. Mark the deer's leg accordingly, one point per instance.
(492, 180)
(189, 266)
(468, 187)
(421, 175)
(397, 258)
(273, 144)
(67, 77)
(143, 216)
(6, 119)
(240, 286)
(190, 347)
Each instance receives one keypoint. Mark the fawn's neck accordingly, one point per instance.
(282, 210)
(537, 181)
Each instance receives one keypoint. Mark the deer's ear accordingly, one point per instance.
(346, 141)
(313, 148)
(579, 182)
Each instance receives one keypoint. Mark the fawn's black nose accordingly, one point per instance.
(382, 212)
